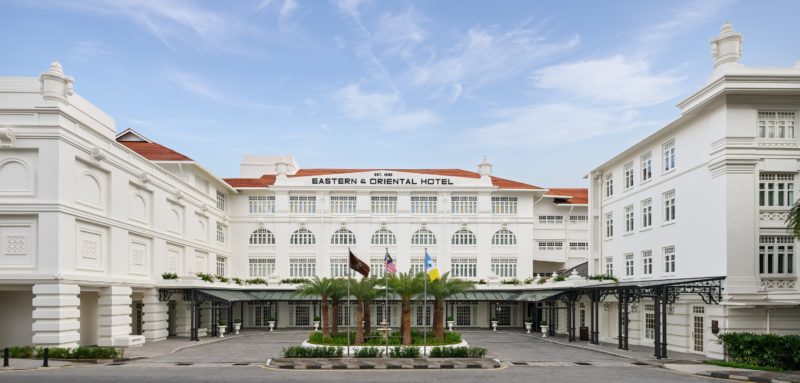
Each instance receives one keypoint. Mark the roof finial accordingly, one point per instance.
(485, 168)
(726, 48)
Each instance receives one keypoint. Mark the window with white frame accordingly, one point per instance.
(777, 125)
(669, 259)
(504, 267)
(384, 204)
(383, 237)
(629, 219)
(302, 267)
(609, 225)
(302, 237)
(417, 265)
(220, 233)
(261, 267)
(647, 166)
(609, 266)
(669, 155)
(343, 237)
(339, 267)
(423, 204)
(464, 237)
(669, 206)
(344, 316)
(504, 205)
(261, 204)
(222, 265)
(463, 204)
(579, 219)
(647, 213)
(262, 237)
(649, 322)
(220, 200)
(343, 204)
(647, 262)
(423, 237)
(418, 318)
(551, 219)
(383, 313)
(776, 254)
(629, 264)
(776, 189)
(551, 245)
(376, 268)
(302, 204)
(504, 237)
(609, 179)
(579, 246)
(630, 174)
(464, 267)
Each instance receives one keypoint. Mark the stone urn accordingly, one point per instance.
(316, 325)
(494, 325)
(271, 325)
(221, 327)
(236, 327)
(528, 326)
(544, 328)
(450, 324)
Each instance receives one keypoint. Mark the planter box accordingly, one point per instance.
(353, 349)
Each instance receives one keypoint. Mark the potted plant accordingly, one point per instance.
(544, 327)
(316, 323)
(237, 325)
(450, 323)
(528, 325)
(221, 324)
(494, 324)
(271, 322)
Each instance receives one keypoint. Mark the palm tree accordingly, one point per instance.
(441, 289)
(364, 291)
(793, 219)
(336, 294)
(407, 286)
(322, 288)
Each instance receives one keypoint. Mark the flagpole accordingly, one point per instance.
(349, 271)
(425, 307)
(386, 301)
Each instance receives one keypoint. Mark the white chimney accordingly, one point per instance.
(485, 168)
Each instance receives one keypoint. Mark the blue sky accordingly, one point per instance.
(545, 90)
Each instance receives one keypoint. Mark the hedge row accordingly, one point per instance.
(458, 352)
(64, 353)
(767, 350)
(312, 352)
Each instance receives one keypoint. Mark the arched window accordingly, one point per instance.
(302, 237)
(383, 237)
(423, 237)
(262, 237)
(504, 238)
(464, 237)
(343, 237)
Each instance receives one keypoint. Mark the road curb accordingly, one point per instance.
(742, 378)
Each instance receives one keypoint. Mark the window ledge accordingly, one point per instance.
(648, 228)
(668, 223)
(627, 234)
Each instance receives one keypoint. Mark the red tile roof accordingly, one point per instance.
(264, 181)
(153, 151)
(574, 196)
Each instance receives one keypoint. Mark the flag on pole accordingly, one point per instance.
(388, 263)
(430, 267)
(358, 265)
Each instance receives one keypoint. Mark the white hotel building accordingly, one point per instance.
(706, 196)
(90, 219)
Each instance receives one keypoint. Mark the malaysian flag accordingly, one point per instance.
(388, 263)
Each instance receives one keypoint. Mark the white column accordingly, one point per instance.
(56, 315)
(114, 311)
(183, 318)
(155, 317)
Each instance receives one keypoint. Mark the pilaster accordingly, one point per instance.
(114, 322)
(155, 315)
(56, 315)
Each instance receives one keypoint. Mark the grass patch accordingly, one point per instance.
(724, 363)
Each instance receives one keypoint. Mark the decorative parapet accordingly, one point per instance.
(778, 283)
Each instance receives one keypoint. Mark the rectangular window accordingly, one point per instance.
(647, 166)
(384, 204)
(551, 245)
(504, 267)
(463, 315)
(609, 178)
(376, 267)
(647, 213)
(302, 315)
(609, 266)
(261, 204)
(383, 313)
(551, 219)
(777, 125)
(669, 155)
(504, 205)
(464, 267)
(629, 219)
(579, 219)
(222, 263)
(609, 225)
(423, 204)
(669, 259)
(463, 204)
(344, 314)
(579, 246)
(503, 315)
(649, 325)
(420, 312)
(630, 174)
(647, 262)
(629, 264)
(261, 267)
(669, 206)
(220, 201)
(776, 254)
(302, 267)
(343, 204)
(339, 267)
(220, 233)
(302, 204)
(776, 190)
(418, 265)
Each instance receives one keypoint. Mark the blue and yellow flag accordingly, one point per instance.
(430, 267)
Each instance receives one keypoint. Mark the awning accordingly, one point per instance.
(484, 296)
(284, 295)
(538, 296)
(229, 295)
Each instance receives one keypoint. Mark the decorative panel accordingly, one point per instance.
(90, 247)
(17, 242)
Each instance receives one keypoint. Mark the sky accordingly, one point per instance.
(545, 90)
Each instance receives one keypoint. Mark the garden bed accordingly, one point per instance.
(423, 350)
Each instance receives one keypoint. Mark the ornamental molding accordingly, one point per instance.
(7, 137)
(778, 283)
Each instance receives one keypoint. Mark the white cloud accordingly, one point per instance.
(287, 8)
(410, 120)
(200, 87)
(399, 34)
(386, 110)
(84, 51)
(679, 21)
(613, 80)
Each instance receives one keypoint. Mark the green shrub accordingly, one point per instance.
(404, 352)
(602, 277)
(256, 281)
(559, 278)
(312, 352)
(514, 281)
(237, 281)
(542, 281)
(368, 352)
(376, 338)
(205, 276)
(82, 352)
(169, 276)
(294, 281)
(458, 352)
(768, 350)
(21, 352)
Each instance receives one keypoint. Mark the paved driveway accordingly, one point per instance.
(522, 347)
